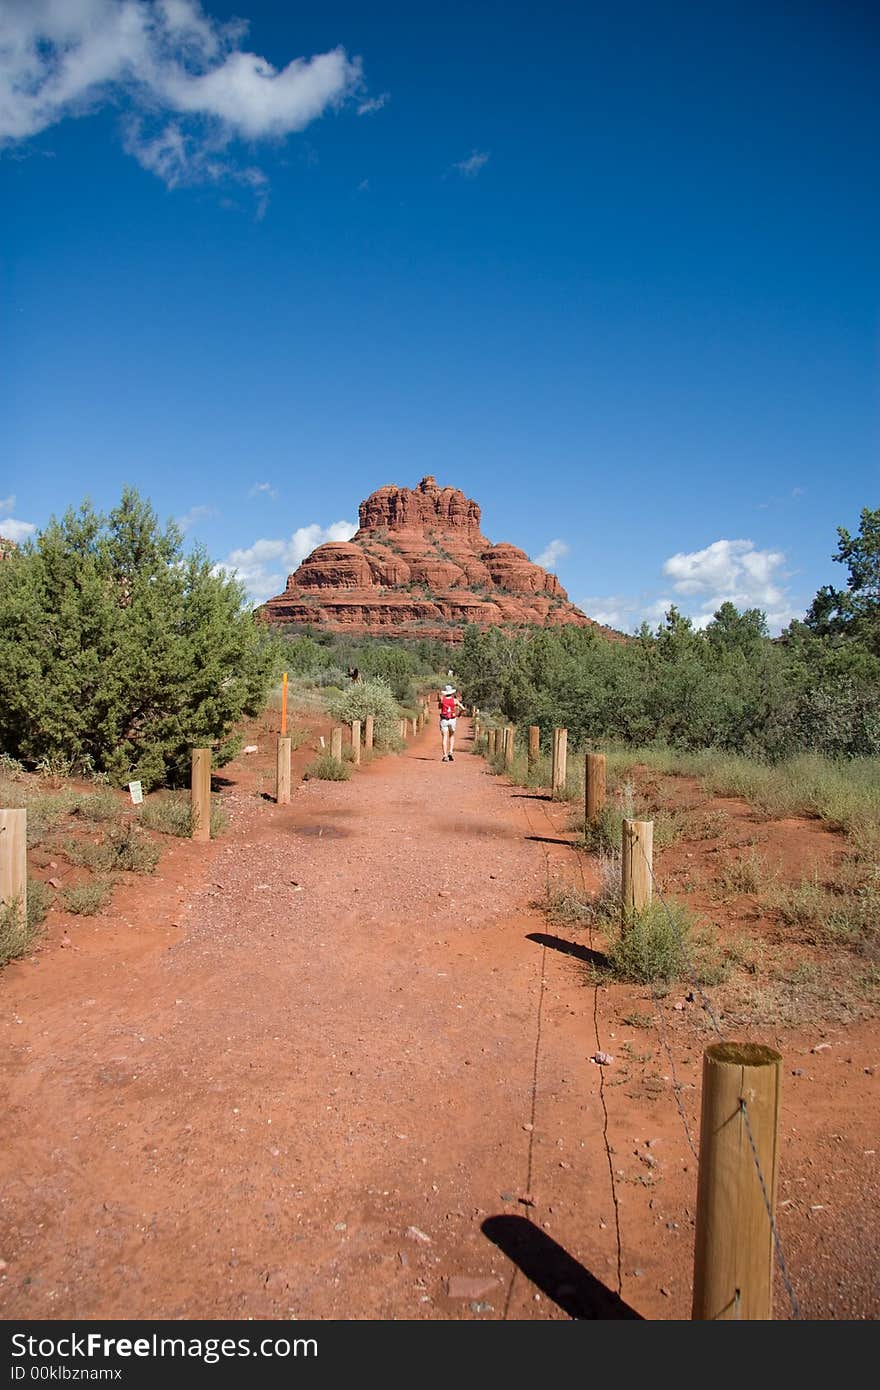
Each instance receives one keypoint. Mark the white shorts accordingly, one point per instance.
(448, 724)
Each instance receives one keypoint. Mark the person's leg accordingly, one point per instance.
(444, 738)
(451, 741)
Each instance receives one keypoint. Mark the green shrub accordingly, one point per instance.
(39, 900)
(123, 850)
(18, 928)
(651, 944)
(171, 813)
(15, 934)
(98, 806)
(373, 697)
(85, 899)
(326, 768)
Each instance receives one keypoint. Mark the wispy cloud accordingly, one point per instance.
(263, 490)
(552, 554)
(186, 86)
(625, 612)
(264, 566)
(373, 104)
(7, 504)
(470, 167)
(363, 185)
(194, 516)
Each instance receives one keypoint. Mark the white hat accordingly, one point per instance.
(448, 690)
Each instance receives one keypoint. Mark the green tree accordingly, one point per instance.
(853, 612)
(118, 651)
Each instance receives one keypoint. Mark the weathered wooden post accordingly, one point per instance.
(415, 727)
(637, 852)
(733, 1245)
(368, 733)
(491, 742)
(509, 744)
(534, 744)
(284, 704)
(594, 785)
(560, 760)
(336, 744)
(282, 773)
(200, 794)
(356, 741)
(13, 867)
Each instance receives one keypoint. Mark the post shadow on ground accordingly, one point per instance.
(550, 840)
(531, 796)
(568, 948)
(556, 1273)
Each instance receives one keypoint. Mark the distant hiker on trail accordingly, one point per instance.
(450, 708)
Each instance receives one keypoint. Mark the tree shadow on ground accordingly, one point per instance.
(556, 1273)
(568, 948)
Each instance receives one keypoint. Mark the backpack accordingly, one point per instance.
(447, 707)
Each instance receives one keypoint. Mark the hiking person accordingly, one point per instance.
(450, 708)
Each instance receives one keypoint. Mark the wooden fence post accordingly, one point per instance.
(594, 785)
(13, 865)
(637, 852)
(200, 794)
(356, 741)
(534, 743)
(336, 744)
(733, 1247)
(368, 733)
(509, 743)
(560, 760)
(284, 704)
(282, 773)
(415, 727)
(491, 742)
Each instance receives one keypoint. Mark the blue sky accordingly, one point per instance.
(612, 270)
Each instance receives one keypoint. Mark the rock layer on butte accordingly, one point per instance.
(419, 566)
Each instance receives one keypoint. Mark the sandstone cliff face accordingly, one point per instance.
(420, 567)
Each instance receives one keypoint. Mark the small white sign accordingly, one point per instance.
(137, 793)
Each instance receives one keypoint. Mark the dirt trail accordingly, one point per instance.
(350, 1078)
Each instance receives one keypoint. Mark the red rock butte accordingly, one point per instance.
(419, 566)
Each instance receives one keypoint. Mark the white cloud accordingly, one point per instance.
(735, 572)
(7, 503)
(263, 489)
(62, 58)
(264, 566)
(470, 167)
(552, 553)
(701, 580)
(14, 530)
(195, 515)
(373, 104)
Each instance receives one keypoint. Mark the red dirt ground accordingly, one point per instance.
(337, 1065)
